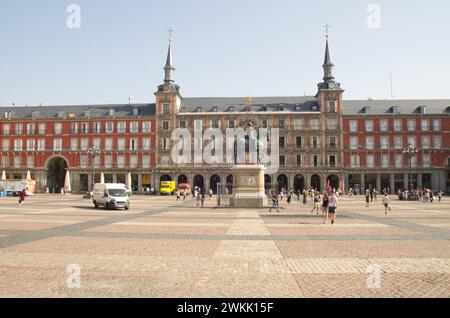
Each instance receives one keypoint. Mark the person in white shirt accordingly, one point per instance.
(332, 206)
(386, 203)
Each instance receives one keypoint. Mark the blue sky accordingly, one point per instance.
(221, 48)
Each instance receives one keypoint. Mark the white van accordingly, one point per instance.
(111, 196)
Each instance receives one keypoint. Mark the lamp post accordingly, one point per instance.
(411, 152)
(93, 152)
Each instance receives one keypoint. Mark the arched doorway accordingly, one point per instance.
(333, 182)
(230, 184)
(267, 182)
(282, 182)
(299, 183)
(56, 174)
(215, 179)
(182, 179)
(199, 182)
(165, 177)
(315, 182)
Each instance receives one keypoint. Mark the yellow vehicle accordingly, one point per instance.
(167, 187)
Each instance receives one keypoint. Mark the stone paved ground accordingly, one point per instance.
(161, 248)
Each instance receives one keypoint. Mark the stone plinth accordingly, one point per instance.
(248, 187)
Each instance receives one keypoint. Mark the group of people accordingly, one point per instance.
(198, 196)
(327, 202)
(422, 195)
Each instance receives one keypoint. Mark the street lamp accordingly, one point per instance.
(411, 152)
(93, 152)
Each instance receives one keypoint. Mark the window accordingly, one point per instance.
(42, 129)
(398, 125)
(109, 127)
(84, 144)
(412, 141)
(265, 123)
(370, 161)
(298, 123)
(370, 143)
(282, 160)
(314, 124)
(121, 127)
(437, 142)
(58, 128)
(384, 125)
(332, 142)
(133, 161)
(411, 124)
(146, 144)
(97, 128)
(121, 161)
(165, 125)
(5, 145)
(18, 145)
(85, 128)
(384, 142)
(399, 161)
(332, 106)
(281, 124)
(232, 124)
(332, 161)
(426, 161)
(83, 161)
(198, 124)
(97, 162)
(41, 145)
(299, 160)
(282, 142)
(146, 127)
(369, 125)
(121, 144)
(17, 161)
(353, 126)
(436, 124)
(385, 161)
(19, 129)
(165, 160)
(57, 144)
(425, 124)
(298, 142)
(315, 143)
(414, 162)
(166, 108)
(108, 144)
(97, 142)
(165, 143)
(146, 162)
(315, 161)
(426, 142)
(134, 127)
(5, 162)
(31, 144)
(332, 124)
(108, 161)
(133, 144)
(74, 144)
(74, 128)
(182, 124)
(354, 162)
(6, 129)
(354, 143)
(30, 161)
(398, 142)
(31, 129)
(214, 123)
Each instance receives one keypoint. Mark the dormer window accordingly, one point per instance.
(62, 114)
(231, 108)
(35, 114)
(423, 110)
(264, 108)
(183, 109)
(7, 114)
(395, 110)
(112, 112)
(199, 109)
(136, 111)
(87, 114)
(297, 107)
(214, 109)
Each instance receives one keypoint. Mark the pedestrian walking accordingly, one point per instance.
(210, 193)
(197, 201)
(203, 200)
(305, 197)
(325, 208)
(386, 203)
(178, 195)
(274, 202)
(22, 195)
(316, 203)
(332, 207)
(367, 198)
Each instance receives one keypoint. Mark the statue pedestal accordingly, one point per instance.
(248, 187)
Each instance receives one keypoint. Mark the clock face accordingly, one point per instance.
(331, 85)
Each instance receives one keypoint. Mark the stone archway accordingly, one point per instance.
(182, 179)
(333, 182)
(230, 184)
(282, 182)
(315, 182)
(213, 182)
(56, 174)
(199, 182)
(267, 182)
(299, 183)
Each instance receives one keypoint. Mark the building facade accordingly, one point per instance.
(323, 140)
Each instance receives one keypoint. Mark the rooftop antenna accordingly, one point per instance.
(392, 85)
(129, 100)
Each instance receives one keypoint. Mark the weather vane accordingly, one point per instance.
(327, 28)
(170, 31)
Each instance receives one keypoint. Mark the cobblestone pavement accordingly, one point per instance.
(164, 248)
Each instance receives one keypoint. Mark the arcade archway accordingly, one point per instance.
(56, 174)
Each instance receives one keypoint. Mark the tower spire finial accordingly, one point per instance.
(327, 27)
(169, 68)
(327, 64)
